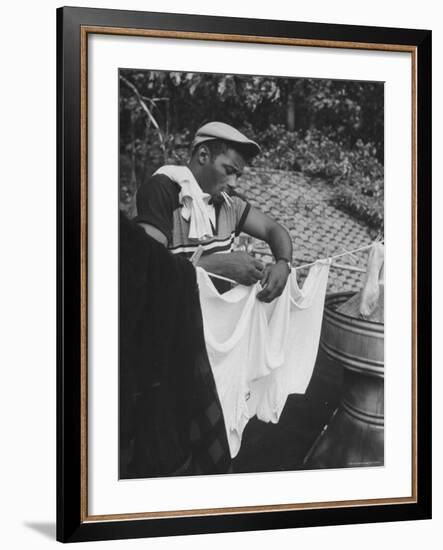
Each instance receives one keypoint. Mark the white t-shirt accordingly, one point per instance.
(260, 353)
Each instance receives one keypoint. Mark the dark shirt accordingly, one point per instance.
(158, 204)
(171, 422)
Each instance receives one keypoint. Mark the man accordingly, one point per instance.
(176, 199)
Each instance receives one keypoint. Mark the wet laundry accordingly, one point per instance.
(261, 352)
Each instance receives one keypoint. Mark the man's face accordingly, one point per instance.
(220, 172)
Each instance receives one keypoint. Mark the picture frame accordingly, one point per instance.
(74, 212)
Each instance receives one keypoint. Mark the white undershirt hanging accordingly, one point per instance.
(260, 353)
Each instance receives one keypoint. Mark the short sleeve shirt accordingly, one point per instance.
(158, 204)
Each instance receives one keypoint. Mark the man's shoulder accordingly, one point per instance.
(162, 181)
(237, 204)
(237, 199)
(162, 186)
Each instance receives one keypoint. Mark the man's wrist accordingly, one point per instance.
(286, 261)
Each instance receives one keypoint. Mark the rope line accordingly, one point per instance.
(309, 264)
(340, 255)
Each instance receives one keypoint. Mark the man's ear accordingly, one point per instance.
(203, 156)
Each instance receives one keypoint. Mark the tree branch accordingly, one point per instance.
(147, 111)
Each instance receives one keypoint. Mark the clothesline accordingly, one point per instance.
(345, 253)
(342, 254)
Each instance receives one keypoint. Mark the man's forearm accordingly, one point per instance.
(238, 266)
(215, 263)
(280, 242)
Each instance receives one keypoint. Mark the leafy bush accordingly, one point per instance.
(311, 152)
(359, 190)
(344, 110)
(360, 206)
(356, 175)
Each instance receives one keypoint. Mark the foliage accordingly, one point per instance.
(360, 191)
(311, 152)
(361, 206)
(356, 175)
(344, 111)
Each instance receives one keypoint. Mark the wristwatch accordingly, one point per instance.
(287, 262)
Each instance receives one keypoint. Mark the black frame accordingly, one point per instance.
(70, 526)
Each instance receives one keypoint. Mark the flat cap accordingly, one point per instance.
(220, 130)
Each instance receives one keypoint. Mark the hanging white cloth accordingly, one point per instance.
(196, 208)
(260, 353)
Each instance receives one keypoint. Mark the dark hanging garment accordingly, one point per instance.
(171, 422)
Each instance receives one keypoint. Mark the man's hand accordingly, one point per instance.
(239, 266)
(273, 281)
(262, 227)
